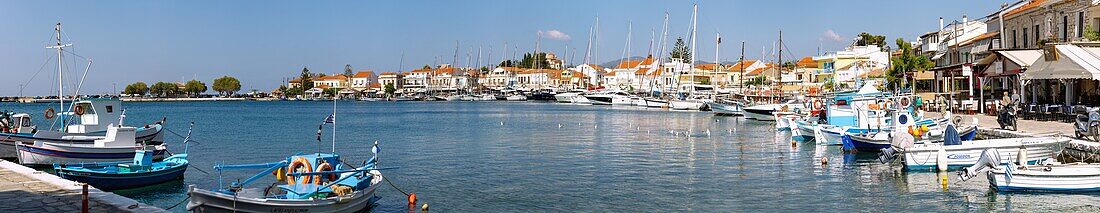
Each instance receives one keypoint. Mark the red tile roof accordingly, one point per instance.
(706, 66)
(742, 65)
(1030, 5)
(807, 62)
(364, 74)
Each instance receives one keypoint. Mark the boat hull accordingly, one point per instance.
(656, 103)
(686, 105)
(923, 156)
(150, 134)
(824, 135)
(725, 109)
(600, 99)
(39, 154)
(873, 144)
(1059, 178)
(759, 114)
(209, 201)
(114, 181)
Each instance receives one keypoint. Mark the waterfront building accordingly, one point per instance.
(534, 79)
(416, 80)
(363, 79)
(500, 78)
(845, 66)
(391, 78)
(737, 77)
(594, 71)
(331, 81)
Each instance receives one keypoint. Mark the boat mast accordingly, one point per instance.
(741, 77)
(778, 75)
(333, 126)
(717, 63)
(60, 71)
(694, 23)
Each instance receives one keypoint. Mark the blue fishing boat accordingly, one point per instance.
(142, 171)
(315, 182)
(112, 176)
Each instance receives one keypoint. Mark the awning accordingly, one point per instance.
(938, 55)
(1069, 62)
(1024, 58)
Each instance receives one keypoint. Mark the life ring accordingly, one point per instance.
(889, 103)
(294, 168)
(50, 113)
(323, 168)
(78, 109)
(818, 104)
(905, 102)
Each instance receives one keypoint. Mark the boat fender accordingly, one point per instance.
(296, 166)
(424, 208)
(280, 174)
(78, 109)
(1022, 156)
(824, 160)
(325, 166)
(50, 113)
(941, 159)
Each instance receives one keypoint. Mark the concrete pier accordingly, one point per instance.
(24, 189)
(1076, 151)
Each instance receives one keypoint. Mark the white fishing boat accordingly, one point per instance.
(638, 101)
(761, 112)
(726, 108)
(783, 119)
(954, 153)
(566, 97)
(580, 99)
(117, 146)
(688, 104)
(1045, 176)
(516, 97)
(656, 102)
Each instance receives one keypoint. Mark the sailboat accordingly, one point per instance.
(691, 101)
(91, 129)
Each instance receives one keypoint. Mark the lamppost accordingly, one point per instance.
(20, 90)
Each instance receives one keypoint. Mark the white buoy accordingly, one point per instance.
(1022, 156)
(708, 132)
(559, 126)
(716, 120)
(941, 159)
(502, 123)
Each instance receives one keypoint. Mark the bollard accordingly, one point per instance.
(84, 198)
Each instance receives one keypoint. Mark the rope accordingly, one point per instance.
(181, 202)
(181, 136)
(395, 186)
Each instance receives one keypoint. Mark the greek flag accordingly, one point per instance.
(1008, 173)
(331, 119)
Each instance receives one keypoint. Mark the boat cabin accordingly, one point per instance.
(19, 123)
(95, 115)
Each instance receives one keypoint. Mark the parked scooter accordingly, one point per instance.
(1007, 117)
(1087, 124)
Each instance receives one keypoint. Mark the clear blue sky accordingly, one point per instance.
(260, 42)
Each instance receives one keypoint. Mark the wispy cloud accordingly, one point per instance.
(555, 35)
(830, 35)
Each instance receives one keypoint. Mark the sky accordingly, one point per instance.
(263, 42)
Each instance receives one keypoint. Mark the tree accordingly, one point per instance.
(347, 70)
(533, 60)
(164, 89)
(227, 85)
(137, 88)
(307, 79)
(680, 51)
(194, 87)
(390, 89)
(282, 89)
(868, 39)
(907, 62)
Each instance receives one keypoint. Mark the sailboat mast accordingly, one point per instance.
(334, 126)
(741, 77)
(60, 74)
(778, 75)
(694, 23)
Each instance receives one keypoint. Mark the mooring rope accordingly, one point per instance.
(181, 202)
(395, 186)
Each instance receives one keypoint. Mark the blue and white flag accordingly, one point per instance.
(1008, 173)
(331, 119)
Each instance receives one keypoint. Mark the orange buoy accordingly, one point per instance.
(412, 199)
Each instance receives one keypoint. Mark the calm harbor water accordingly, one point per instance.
(538, 157)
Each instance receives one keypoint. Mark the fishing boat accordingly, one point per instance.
(765, 112)
(953, 152)
(117, 146)
(566, 97)
(90, 119)
(14, 123)
(1045, 176)
(656, 102)
(313, 182)
(723, 107)
(687, 104)
(112, 176)
(516, 97)
(142, 171)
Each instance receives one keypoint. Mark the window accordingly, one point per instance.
(1025, 38)
(1080, 24)
(110, 109)
(1065, 28)
(1014, 40)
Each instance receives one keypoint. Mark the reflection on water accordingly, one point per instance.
(507, 156)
